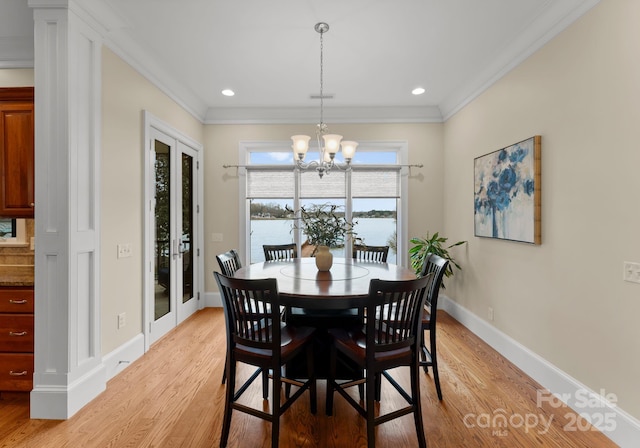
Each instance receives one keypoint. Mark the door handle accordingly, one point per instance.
(177, 249)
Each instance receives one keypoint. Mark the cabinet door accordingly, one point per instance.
(16, 160)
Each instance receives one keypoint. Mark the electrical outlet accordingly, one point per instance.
(124, 250)
(631, 272)
(216, 237)
(490, 313)
(122, 320)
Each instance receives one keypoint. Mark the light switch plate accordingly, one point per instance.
(124, 250)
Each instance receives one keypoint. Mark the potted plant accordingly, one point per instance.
(325, 227)
(434, 244)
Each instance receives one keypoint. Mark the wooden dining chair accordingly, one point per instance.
(280, 251)
(436, 266)
(229, 263)
(267, 344)
(389, 340)
(370, 253)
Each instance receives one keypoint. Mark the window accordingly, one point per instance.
(370, 195)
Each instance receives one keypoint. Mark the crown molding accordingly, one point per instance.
(128, 50)
(309, 115)
(553, 20)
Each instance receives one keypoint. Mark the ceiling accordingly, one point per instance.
(375, 52)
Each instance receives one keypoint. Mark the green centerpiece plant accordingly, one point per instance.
(324, 226)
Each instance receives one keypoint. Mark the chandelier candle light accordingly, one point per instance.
(328, 144)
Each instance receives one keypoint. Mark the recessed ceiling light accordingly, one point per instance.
(228, 92)
(418, 91)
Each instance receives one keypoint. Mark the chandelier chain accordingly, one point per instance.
(321, 79)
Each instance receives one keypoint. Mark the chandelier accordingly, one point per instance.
(328, 144)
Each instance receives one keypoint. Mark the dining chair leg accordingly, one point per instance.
(275, 409)
(228, 404)
(330, 380)
(313, 397)
(287, 386)
(265, 384)
(434, 362)
(224, 372)
(417, 408)
(424, 355)
(378, 386)
(370, 393)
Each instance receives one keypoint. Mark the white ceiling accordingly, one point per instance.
(375, 52)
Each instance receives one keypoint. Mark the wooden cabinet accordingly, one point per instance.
(16, 338)
(17, 167)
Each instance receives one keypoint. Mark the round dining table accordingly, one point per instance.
(323, 299)
(344, 286)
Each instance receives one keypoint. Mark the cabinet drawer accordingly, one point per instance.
(16, 333)
(16, 300)
(16, 372)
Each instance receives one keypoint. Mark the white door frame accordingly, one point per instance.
(153, 126)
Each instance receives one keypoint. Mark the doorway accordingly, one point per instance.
(173, 228)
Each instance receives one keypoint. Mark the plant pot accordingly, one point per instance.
(324, 258)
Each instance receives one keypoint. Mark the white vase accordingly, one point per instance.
(324, 258)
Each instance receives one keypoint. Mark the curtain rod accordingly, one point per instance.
(279, 167)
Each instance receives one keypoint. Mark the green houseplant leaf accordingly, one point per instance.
(434, 244)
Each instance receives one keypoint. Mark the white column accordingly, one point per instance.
(68, 362)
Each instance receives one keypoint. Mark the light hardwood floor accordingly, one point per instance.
(172, 397)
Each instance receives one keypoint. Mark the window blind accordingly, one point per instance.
(331, 185)
(270, 183)
(375, 183)
(369, 182)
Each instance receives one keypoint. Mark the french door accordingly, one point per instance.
(173, 230)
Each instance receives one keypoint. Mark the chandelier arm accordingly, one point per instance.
(307, 165)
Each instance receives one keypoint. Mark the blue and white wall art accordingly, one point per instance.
(507, 193)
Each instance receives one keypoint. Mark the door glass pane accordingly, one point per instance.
(187, 228)
(162, 269)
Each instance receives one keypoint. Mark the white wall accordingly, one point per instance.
(16, 77)
(564, 300)
(125, 94)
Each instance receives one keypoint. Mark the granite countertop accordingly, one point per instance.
(16, 275)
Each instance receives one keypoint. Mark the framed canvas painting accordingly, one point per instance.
(507, 193)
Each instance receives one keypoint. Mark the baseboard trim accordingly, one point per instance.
(60, 402)
(122, 357)
(212, 300)
(622, 428)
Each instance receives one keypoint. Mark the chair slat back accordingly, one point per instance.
(397, 307)
(251, 310)
(280, 251)
(437, 266)
(370, 253)
(229, 262)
